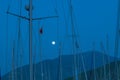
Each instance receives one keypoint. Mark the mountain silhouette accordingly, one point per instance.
(50, 68)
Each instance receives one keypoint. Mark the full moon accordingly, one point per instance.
(53, 42)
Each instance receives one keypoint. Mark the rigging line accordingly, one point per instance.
(18, 41)
(94, 63)
(73, 40)
(117, 31)
(73, 15)
(45, 70)
(78, 47)
(48, 69)
(117, 40)
(20, 38)
(21, 56)
(65, 18)
(56, 10)
(34, 60)
(6, 62)
(83, 63)
(59, 61)
(73, 43)
(7, 40)
(78, 42)
(19, 24)
(92, 58)
(75, 33)
(107, 48)
(13, 61)
(78, 63)
(104, 72)
(79, 67)
(41, 65)
(19, 27)
(59, 48)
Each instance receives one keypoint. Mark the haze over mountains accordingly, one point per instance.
(51, 67)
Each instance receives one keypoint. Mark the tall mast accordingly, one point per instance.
(0, 73)
(30, 40)
(84, 68)
(117, 40)
(13, 62)
(29, 8)
(34, 67)
(117, 31)
(107, 49)
(60, 62)
(48, 69)
(41, 63)
(104, 64)
(73, 41)
(94, 63)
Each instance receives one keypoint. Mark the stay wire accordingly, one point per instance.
(66, 24)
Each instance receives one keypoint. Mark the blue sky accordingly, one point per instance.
(93, 20)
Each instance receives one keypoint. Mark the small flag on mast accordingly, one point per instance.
(41, 31)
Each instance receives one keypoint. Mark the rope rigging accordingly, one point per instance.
(65, 18)
(108, 59)
(104, 64)
(59, 74)
(94, 62)
(34, 65)
(7, 39)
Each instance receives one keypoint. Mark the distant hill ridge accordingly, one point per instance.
(51, 67)
(99, 73)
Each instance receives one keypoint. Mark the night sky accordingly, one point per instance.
(93, 19)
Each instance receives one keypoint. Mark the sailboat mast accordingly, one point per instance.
(41, 63)
(104, 64)
(117, 41)
(29, 8)
(107, 48)
(13, 63)
(94, 63)
(73, 41)
(0, 74)
(30, 40)
(60, 62)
